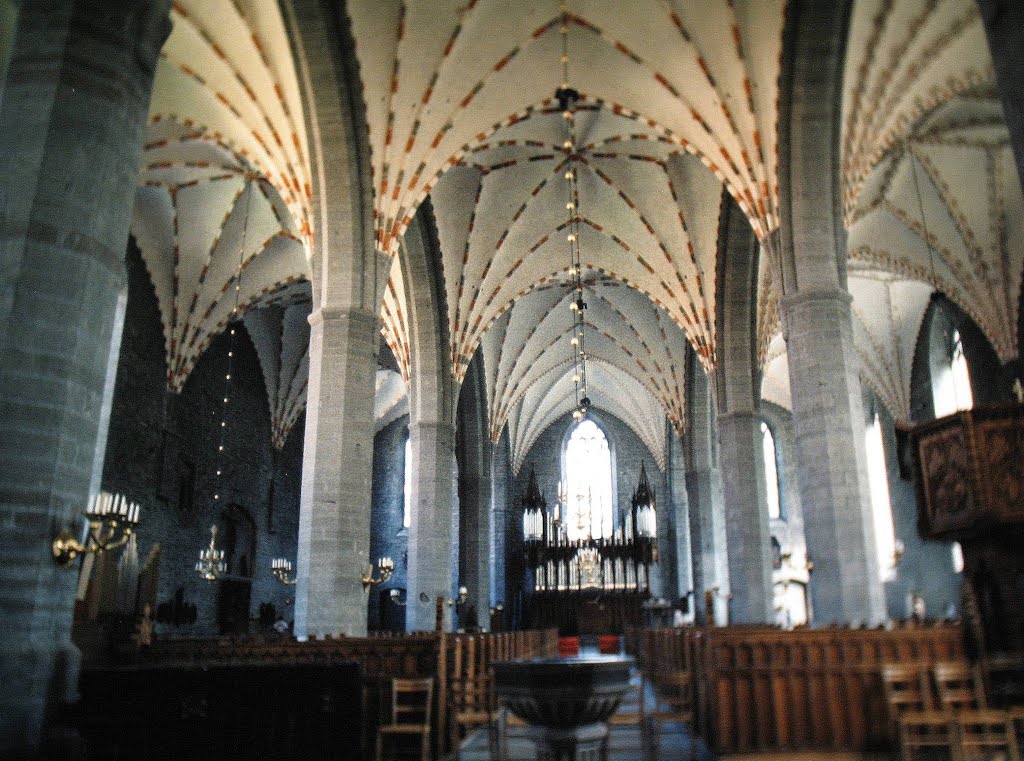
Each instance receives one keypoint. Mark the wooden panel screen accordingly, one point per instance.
(759, 689)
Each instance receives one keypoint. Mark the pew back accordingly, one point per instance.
(759, 689)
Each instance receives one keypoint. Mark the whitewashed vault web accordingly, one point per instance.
(931, 197)
(225, 184)
(460, 105)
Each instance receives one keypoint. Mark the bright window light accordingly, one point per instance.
(771, 471)
(406, 506)
(588, 483)
(878, 477)
(951, 386)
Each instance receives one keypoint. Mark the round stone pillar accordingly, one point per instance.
(72, 112)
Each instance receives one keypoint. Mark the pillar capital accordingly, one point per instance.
(352, 314)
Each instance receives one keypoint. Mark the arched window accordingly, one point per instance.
(951, 382)
(771, 471)
(406, 508)
(881, 506)
(588, 511)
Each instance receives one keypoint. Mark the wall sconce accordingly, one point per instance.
(396, 598)
(461, 599)
(211, 565)
(111, 519)
(899, 551)
(282, 570)
(385, 567)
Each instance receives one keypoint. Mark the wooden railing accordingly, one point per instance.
(462, 657)
(445, 657)
(295, 711)
(760, 689)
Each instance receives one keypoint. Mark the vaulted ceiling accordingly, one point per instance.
(222, 210)
(673, 112)
(460, 106)
(931, 197)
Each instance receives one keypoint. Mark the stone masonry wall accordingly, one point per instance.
(161, 453)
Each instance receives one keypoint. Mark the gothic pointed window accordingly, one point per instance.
(407, 490)
(588, 483)
(771, 471)
(951, 381)
(881, 505)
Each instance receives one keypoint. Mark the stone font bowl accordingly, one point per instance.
(562, 693)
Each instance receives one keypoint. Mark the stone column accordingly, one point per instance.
(432, 408)
(1003, 20)
(741, 459)
(475, 539)
(72, 115)
(430, 533)
(810, 261)
(500, 479)
(680, 505)
(829, 422)
(337, 464)
(741, 462)
(708, 545)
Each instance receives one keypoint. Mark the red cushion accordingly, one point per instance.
(568, 646)
(608, 644)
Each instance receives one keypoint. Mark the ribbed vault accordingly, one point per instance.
(222, 208)
(280, 334)
(947, 209)
(546, 402)
(931, 197)
(441, 77)
(527, 349)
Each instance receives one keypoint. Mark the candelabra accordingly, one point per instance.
(211, 565)
(282, 570)
(461, 599)
(110, 521)
(385, 567)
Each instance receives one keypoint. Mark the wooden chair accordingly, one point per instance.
(978, 727)
(959, 686)
(673, 702)
(472, 706)
(411, 703)
(916, 722)
(984, 730)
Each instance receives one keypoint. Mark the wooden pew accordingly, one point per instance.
(763, 689)
(253, 711)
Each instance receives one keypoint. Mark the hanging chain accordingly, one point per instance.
(568, 99)
(232, 341)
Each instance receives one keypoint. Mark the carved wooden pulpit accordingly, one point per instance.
(969, 469)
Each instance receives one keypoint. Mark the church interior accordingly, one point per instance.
(357, 350)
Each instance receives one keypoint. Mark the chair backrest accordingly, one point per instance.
(906, 688)
(411, 701)
(958, 686)
(473, 693)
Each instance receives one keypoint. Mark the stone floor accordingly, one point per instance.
(625, 743)
(626, 746)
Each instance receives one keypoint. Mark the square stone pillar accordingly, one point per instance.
(679, 504)
(829, 422)
(430, 532)
(741, 463)
(73, 103)
(337, 464)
